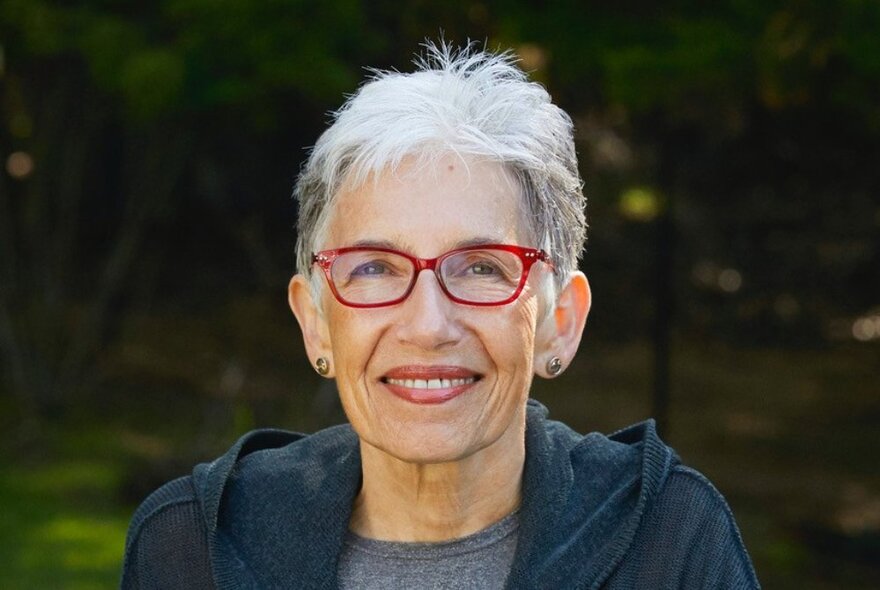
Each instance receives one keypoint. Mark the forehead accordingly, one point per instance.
(426, 208)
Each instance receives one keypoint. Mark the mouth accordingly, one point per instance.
(429, 384)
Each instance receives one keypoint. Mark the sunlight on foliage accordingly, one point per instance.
(78, 543)
(69, 478)
(640, 204)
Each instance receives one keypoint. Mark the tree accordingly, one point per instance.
(105, 106)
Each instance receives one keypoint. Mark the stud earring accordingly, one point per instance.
(554, 366)
(322, 366)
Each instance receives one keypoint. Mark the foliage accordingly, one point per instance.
(163, 57)
(140, 85)
(748, 117)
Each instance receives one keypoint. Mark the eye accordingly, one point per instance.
(483, 268)
(371, 268)
(478, 264)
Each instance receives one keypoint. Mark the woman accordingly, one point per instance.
(441, 219)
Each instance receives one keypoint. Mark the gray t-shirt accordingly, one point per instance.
(477, 562)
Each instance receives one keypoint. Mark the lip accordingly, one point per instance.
(435, 395)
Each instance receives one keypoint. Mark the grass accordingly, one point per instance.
(61, 526)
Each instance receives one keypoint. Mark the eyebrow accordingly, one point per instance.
(479, 241)
(376, 244)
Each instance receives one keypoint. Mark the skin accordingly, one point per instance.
(433, 472)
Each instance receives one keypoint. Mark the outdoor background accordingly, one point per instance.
(731, 153)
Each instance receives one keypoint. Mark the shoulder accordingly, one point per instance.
(690, 493)
(168, 537)
(174, 493)
(636, 517)
(692, 510)
(688, 538)
(172, 531)
(167, 541)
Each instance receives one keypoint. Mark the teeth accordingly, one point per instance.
(431, 383)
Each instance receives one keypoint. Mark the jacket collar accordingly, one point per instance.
(583, 501)
(277, 512)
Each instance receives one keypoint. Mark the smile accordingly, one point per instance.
(420, 384)
(430, 383)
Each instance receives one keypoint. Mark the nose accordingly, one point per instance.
(429, 320)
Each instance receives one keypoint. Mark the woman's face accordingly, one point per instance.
(380, 354)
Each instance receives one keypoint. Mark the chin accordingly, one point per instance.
(422, 445)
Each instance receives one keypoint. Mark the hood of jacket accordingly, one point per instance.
(277, 504)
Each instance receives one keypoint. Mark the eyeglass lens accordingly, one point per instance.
(480, 276)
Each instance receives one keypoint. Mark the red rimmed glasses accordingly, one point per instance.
(492, 274)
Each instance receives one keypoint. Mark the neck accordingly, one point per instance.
(417, 502)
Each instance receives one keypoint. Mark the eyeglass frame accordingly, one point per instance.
(528, 257)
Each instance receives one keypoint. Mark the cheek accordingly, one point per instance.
(513, 339)
(351, 339)
(527, 319)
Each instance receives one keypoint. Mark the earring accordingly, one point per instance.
(554, 366)
(322, 366)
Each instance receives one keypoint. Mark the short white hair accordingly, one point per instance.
(466, 101)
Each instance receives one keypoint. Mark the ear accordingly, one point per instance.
(312, 322)
(559, 333)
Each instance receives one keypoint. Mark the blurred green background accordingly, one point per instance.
(731, 153)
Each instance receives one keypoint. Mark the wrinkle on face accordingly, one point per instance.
(427, 214)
